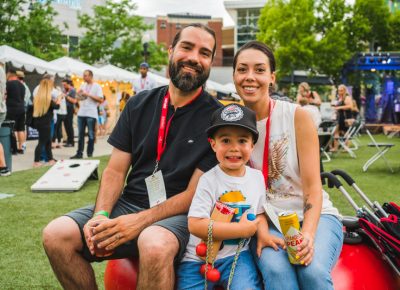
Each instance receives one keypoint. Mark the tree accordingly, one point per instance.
(331, 50)
(33, 33)
(114, 35)
(394, 31)
(368, 27)
(288, 28)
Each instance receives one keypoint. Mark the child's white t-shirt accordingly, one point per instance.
(248, 190)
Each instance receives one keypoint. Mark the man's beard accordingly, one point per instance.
(186, 81)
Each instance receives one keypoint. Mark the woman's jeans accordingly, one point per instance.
(278, 273)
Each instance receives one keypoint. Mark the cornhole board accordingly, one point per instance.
(67, 175)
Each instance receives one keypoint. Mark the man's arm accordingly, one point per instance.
(127, 227)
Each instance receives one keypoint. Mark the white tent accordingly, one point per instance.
(160, 80)
(29, 62)
(119, 73)
(72, 66)
(211, 85)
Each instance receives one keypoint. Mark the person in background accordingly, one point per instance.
(16, 110)
(70, 98)
(312, 110)
(124, 99)
(305, 92)
(103, 116)
(145, 82)
(60, 119)
(27, 98)
(343, 108)
(4, 170)
(90, 95)
(44, 103)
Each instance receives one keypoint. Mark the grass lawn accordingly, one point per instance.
(23, 263)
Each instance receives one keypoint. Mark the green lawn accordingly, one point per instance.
(23, 263)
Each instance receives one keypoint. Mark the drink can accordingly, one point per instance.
(290, 227)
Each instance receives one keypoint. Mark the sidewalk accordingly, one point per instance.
(25, 161)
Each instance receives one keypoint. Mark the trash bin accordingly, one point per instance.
(5, 140)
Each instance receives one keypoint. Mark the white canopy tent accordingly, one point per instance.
(160, 80)
(75, 67)
(28, 62)
(119, 73)
(211, 85)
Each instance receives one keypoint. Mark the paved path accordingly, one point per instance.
(25, 161)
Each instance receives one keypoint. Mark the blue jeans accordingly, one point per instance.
(245, 277)
(278, 273)
(82, 123)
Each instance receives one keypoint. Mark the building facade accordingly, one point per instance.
(168, 26)
(245, 15)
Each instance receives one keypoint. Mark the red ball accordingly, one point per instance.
(201, 250)
(213, 275)
(203, 269)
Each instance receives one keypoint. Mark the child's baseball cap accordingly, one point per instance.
(234, 115)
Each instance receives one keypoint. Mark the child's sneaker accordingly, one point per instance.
(4, 171)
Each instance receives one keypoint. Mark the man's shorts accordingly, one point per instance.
(176, 224)
(19, 120)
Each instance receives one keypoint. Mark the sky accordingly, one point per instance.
(152, 8)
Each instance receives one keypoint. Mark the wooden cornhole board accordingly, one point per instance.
(67, 175)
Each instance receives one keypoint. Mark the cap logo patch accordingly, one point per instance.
(232, 113)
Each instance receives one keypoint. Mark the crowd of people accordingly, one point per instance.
(176, 153)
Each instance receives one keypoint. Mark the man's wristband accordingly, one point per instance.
(101, 212)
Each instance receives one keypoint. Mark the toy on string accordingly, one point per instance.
(208, 251)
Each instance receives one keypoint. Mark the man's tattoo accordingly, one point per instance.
(307, 206)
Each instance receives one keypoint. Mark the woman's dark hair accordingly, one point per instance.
(257, 46)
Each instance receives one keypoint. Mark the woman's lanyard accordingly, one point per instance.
(265, 165)
(164, 127)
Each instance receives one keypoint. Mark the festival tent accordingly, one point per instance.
(211, 85)
(120, 74)
(75, 67)
(160, 80)
(28, 62)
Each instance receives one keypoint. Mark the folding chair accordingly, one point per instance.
(350, 136)
(382, 149)
(326, 133)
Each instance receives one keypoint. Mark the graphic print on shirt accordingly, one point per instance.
(236, 200)
(278, 188)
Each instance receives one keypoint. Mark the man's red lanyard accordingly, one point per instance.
(164, 127)
(265, 165)
(142, 83)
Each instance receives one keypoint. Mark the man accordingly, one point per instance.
(16, 109)
(27, 96)
(143, 219)
(4, 171)
(145, 82)
(71, 100)
(90, 94)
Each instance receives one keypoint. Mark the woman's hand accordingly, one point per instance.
(305, 251)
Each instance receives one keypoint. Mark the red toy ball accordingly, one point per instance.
(121, 274)
(201, 250)
(213, 275)
(203, 269)
(361, 267)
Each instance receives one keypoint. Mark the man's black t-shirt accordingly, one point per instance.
(187, 147)
(15, 97)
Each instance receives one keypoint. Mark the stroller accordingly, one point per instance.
(374, 225)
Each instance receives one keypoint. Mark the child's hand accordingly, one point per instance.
(268, 240)
(248, 228)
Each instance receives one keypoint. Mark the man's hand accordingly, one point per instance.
(88, 232)
(268, 240)
(305, 251)
(119, 231)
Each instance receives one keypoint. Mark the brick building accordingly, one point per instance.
(168, 26)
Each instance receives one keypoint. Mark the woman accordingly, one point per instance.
(43, 106)
(344, 114)
(61, 115)
(306, 95)
(292, 179)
